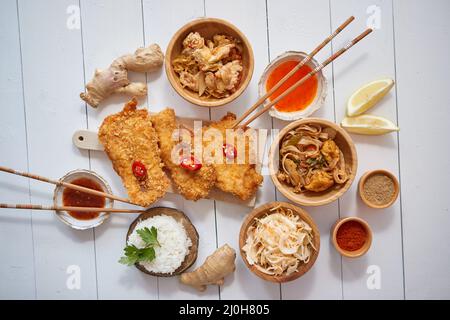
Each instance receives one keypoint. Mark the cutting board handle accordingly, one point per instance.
(88, 140)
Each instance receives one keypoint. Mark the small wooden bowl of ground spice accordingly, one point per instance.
(351, 237)
(378, 189)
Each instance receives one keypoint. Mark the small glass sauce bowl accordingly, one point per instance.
(321, 93)
(65, 217)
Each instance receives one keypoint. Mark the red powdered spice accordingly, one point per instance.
(351, 236)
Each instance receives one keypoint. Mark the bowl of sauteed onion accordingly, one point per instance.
(279, 242)
(209, 62)
(312, 162)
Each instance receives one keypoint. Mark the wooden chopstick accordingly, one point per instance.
(67, 208)
(67, 185)
(294, 70)
(333, 57)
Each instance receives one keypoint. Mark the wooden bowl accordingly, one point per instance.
(260, 212)
(363, 180)
(309, 198)
(190, 230)
(356, 253)
(208, 27)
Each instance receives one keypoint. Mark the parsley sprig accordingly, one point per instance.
(146, 254)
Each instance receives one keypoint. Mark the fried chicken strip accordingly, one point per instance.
(128, 137)
(193, 185)
(240, 179)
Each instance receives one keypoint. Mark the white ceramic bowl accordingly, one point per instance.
(321, 93)
(65, 216)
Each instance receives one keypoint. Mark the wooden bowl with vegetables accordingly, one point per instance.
(312, 161)
(205, 68)
(279, 242)
(152, 248)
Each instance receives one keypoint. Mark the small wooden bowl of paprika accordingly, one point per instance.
(351, 236)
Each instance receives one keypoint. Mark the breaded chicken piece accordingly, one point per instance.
(331, 152)
(320, 181)
(193, 185)
(128, 137)
(242, 180)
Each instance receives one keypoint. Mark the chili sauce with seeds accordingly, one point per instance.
(75, 198)
(298, 99)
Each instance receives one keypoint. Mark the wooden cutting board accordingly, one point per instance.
(88, 140)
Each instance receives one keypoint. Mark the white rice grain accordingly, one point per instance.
(173, 240)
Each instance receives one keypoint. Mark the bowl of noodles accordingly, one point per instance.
(279, 242)
(312, 162)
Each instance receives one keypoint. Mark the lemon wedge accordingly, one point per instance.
(369, 125)
(367, 96)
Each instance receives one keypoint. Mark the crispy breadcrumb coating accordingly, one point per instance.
(240, 179)
(193, 185)
(128, 136)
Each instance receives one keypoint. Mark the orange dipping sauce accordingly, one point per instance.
(75, 198)
(298, 99)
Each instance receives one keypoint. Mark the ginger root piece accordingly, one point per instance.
(115, 78)
(213, 270)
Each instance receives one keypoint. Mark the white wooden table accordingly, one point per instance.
(47, 56)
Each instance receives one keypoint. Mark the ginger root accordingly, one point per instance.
(213, 270)
(115, 78)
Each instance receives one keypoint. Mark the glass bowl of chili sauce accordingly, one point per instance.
(69, 197)
(305, 99)
(351, 236)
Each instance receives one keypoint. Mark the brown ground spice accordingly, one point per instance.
(379, 189)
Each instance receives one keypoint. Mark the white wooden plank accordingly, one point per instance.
(53, 76)
(16, 266)
(372, 58)
(422, 49)
(201, 213)
(301, 28)
(250, 18)
(161, 21)
(111, 29)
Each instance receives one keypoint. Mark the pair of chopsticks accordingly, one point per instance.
(306, 77)
(70, 186)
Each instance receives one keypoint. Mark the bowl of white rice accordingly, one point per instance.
(177, 237)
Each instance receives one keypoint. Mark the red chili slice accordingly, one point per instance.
(229, 151)
(190, 163)
(310, 147)
(139, 170)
